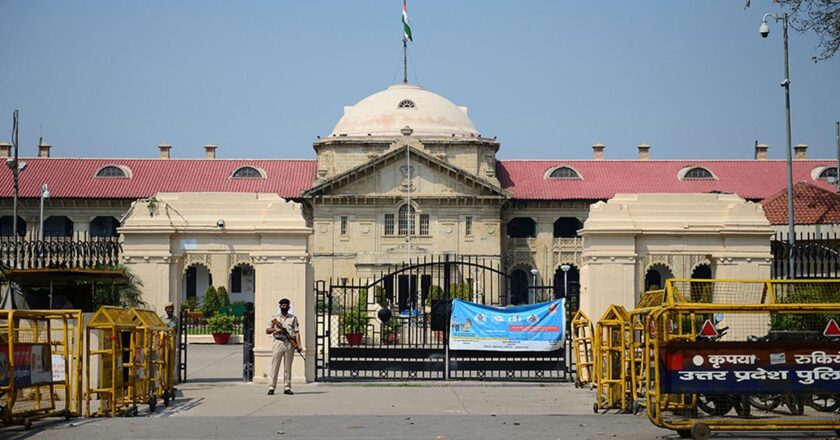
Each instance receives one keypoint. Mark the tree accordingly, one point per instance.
(820, 16)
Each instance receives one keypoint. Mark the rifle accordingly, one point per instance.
(292, 340)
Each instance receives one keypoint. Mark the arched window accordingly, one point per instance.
(104, 226)
(520, 227)
(828, 172)
(566, 227)
(698, 173)
(406, 220)
(564, 173)
(406, 103)
(111, 171)
(247, 173)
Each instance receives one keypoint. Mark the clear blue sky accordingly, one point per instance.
(263, 78)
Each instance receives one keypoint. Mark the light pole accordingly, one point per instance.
(764, 30)
(565, 268)
(45, 194)
(533, 295)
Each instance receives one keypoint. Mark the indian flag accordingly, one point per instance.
(406, 27)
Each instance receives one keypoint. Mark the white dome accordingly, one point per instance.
(386, 112)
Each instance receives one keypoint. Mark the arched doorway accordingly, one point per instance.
(242, 283)
(656, 275)
(519, 287)
(572, 279)
(700, 291)
(197, 278)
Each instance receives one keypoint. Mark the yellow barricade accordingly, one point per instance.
(743, 355)
(583, 348)
(40, 364)
(612, 338)
(153, 371)
(111, 338)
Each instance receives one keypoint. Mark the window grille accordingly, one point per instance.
(468, 225)
(828, 172)
(424, 224)
(343, 225)
(247, 173)
(406, 220)
(564, 173)
(389, 224)
(698, 173)
(111, 171)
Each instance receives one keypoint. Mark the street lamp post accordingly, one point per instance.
(45, 194)
(565, 268)
(533, 294)
(764, 30)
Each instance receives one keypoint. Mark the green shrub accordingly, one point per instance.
(354, 321)
(212, 303)
(381, 296)
(804, 321)
(224, 300)
(459, 291)
(190, 303)
(221, 323)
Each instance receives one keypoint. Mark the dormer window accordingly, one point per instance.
(566, 173)
(248, 173)
(828, 173)
(112, 171)
(406, 103)
(696, 173)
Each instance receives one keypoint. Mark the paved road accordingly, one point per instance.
(215, 404)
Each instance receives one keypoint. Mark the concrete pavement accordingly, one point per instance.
(216, 404)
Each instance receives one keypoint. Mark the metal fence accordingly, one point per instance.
(195, 323)
(80, 252)
(815, 255)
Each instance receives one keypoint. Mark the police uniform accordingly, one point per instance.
(281, 351)
(172, 321)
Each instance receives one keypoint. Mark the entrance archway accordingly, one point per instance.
(656, 275)
(519, 287)
(242, 282)
(197, 278)
(700, 291)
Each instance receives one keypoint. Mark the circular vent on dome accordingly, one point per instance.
(406, 103)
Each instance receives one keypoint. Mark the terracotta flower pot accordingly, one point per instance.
(354, 338)
(221, 338)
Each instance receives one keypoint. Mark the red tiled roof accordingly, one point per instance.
(524, 179)
(602, 179)
(811, 206)
(74, 178)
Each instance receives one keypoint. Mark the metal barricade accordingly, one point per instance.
(649, 302)
(110, 341)
(153, 371)
(40, 365)
(739, 355)
(582, 346)
(612, 360)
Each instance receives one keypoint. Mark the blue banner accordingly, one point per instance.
(533, 327)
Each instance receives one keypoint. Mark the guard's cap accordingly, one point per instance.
(169, 304)
(285, 301)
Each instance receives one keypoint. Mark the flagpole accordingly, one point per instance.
(405, 61)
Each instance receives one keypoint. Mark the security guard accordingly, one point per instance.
(284, 328)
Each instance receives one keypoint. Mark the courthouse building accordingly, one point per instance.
(406, 162)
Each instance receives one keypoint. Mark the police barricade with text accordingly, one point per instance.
(40, 364)
(744, 355)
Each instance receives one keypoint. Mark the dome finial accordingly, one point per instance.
(406, 131)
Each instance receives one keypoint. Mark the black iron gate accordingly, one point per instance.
(248, 343)
(396, 325)
(181, 347)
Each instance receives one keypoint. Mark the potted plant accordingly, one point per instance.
(221, 326)
(391, 332)
(354, 324)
